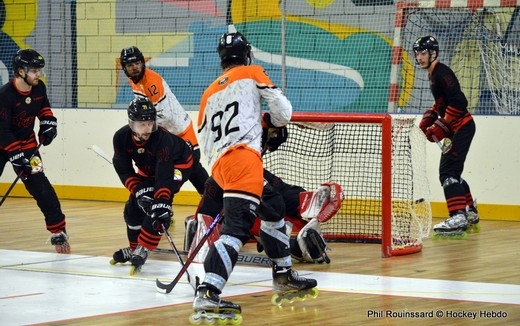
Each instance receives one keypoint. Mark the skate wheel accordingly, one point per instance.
(112, 262)
(279, 300)
(195, 319)
(209, 320)
(314, 293)
(235, 320)
(455, 236)
(475, 228)
(134, 270)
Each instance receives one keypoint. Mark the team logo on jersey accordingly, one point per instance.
(177, 175)
(140, 150)
(223, 81)
(28, 100)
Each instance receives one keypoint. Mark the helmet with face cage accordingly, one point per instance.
(141, 109)
(130, 55)
(233, 48)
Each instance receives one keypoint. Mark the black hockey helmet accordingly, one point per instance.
(141, 109)
(233, 48)
(27, 59)
(129, 55)
(426, 43)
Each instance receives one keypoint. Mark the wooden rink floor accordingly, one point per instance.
(460, 282)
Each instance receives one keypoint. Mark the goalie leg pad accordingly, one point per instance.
(312, 244)
(190, 225)
(203, 223)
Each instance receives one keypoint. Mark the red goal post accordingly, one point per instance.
(378, 159)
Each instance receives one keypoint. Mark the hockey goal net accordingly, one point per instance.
(379, 161)
(480, 41)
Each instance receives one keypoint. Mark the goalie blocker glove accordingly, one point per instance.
(312, 244)
(48, 130)
(161, 215)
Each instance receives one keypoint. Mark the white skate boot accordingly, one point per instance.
(209, 307)
(60, 241)
(453, 228)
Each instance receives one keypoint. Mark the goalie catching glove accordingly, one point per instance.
(440, 129)
(161, 215)
(272, 137)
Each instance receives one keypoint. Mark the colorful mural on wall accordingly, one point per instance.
(329, 61)
(323, 74)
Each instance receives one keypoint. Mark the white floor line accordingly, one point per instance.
(57, 287)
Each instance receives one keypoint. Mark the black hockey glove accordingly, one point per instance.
(48, 130)
(144, 195)
(21, 165)
(272, 137)
(161, 215)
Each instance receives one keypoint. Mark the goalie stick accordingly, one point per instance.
(444, 146)
(18, 177)
(167, 288)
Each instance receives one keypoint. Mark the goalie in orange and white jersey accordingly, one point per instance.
(170, 114)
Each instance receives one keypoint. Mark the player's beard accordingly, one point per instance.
(142, 137)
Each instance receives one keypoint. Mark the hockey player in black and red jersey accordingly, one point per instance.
(163, 162)
(22, 101)
(448, 119)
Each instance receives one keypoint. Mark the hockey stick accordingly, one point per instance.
(101, 153)
(18, 176)
(167, 288)
(444, 146)
(174, 249)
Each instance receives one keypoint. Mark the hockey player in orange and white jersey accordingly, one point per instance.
(230, 125)
(170, 114)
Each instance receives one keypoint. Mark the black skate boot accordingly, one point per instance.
(290, 287)
(210, 307)
(121, 256)
(60, 241)
(138, 259)
(453, 228)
